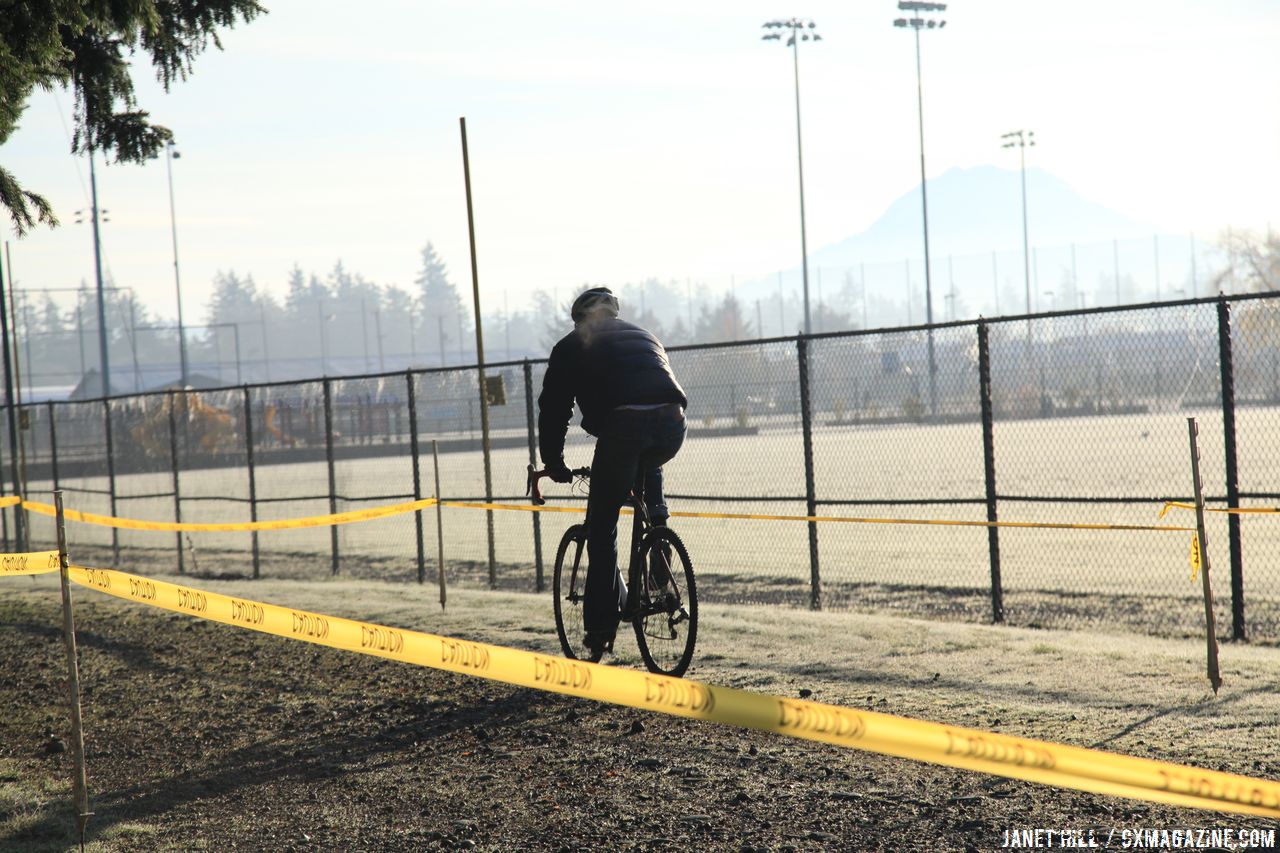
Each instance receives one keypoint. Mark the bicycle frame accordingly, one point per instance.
(640, 525)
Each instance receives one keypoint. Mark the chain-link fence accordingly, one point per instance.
(1070, 418)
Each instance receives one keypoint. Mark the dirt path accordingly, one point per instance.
(203, 737)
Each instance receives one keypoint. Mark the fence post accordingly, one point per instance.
(435, 457)
(4, 520)
(173, 459)
(253, 478)
(417, 473)
(80, 784)
(533, 460)
(806, 426)
(989, 471)
(1233, 474)
(328, 455)
(111, 478)
(53, 445)
(19, 528)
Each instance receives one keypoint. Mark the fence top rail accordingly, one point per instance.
(1221, 298)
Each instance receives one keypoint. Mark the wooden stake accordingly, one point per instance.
(79, 782)
(1211, 634)
(435, 456)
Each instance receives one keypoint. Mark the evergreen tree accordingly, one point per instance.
(444, 324)
(722, 322)
(88, 46)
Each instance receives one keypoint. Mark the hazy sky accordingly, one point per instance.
(612, 143)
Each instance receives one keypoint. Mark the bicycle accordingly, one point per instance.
(661, 597)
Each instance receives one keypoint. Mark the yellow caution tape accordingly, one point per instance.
(516, 507)
(33, 563)
(1195, 555)
(412, 506)
(12, 500)
(834, 518)
(1238, 510)
(969, 749)
(278, 524)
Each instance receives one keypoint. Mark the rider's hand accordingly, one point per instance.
(559, 473)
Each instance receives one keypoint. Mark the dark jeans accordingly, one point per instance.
(632, 443)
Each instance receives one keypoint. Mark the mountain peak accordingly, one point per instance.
(978, 209)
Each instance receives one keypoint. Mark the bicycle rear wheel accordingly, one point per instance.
(569, 588)
(666, 622)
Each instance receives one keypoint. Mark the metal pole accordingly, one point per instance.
(235, 332)
(80, 783)
(104, 363)
(1227, 373)
(328, 455)
(539, 582)
(804, 248)
(377, 328)
(173, 457)
(53, 444)
(989, 471)
(177, 281)
(1202, 542)
(435, 457)
(364, 332)
(266, 355)
(324, 342)
(484, 396)
(19, 521)
(253, 478)
(924, 207)
(133, 342)
(1026, 251)
(111, 476)
(806, 424)
(417, 479)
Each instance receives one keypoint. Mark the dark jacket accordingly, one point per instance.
(603, 365)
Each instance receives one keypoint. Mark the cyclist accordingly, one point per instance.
(631, 402)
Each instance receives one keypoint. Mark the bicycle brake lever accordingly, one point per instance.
(531, 487)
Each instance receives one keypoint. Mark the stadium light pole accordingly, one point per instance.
(1022, 139)
(917, 23)
(104, 365)
(798, 31)
(171, 154)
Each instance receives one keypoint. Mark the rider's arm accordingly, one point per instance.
(555, 406)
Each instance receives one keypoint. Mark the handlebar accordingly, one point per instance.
(531, 481)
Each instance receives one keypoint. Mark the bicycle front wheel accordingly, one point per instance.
(569, 587)
(666, 621)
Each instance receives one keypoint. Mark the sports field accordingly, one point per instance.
(1050, 576)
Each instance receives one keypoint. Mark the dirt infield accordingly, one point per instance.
(205, 737)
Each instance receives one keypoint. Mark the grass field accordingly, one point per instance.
(1113, 456)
